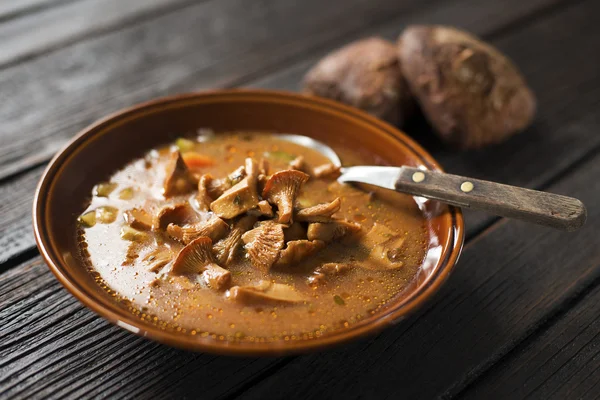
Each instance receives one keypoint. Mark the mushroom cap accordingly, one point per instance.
(178, 179)
(364, 74)
(331, 231)
(282, 189)
(320, 212)
(178, 214)
(226, 248)
(203, 197)
(138, 218)
(298, 250)
(265, 292)
(215, 228)
(263, 244)
(470, 92)
(194, 257)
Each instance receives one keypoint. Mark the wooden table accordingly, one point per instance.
(520, 316)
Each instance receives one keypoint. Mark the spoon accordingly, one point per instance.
(553, 210)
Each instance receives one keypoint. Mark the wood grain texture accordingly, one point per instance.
(542, 208)
(53, 347)
(34, 34)
(508, 282)
(220, 43)
(14, 8)
(16, 233)
(563, 362)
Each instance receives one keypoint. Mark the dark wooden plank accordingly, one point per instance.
(142, 382)
(52, 347)
(566, 125)
(58, 119)
(562, 362)
(16, 233)
(34, 34)
(15, 8)
(213, 44)
(509, 280)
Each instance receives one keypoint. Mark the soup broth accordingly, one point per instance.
(204, 236)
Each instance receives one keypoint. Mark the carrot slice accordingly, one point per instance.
(196, 160)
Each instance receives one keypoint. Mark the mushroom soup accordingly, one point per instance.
(243, 236)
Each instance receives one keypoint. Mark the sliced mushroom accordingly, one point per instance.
(266, 292)
(385, 248)
(263, 244)
(178, 179)
(227, 248)
(203, 198)
(197, 258)
(138, 219)
(215, 228)
(261, 182)
(241, 197)
(298, 250)
(265, 209)
(177, 214)
(263, 167)
(328, 170)
(216, 277)
(331, 231)
(320, 212)
(327, 270)
(216, 187)
(158, 258)
(281, 189)
(297, 163)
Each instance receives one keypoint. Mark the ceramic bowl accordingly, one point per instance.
(107, 145)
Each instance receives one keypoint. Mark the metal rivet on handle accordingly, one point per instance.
(466, 186)
(418, 177)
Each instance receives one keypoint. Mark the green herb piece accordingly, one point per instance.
(88, 219)
(280, 155)
(104, 189)
(126, 194)
(133, 235)
(106, 214)
(338, 300)
(237, 200)
(185, 145)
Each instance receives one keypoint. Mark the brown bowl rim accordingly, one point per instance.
(120, 317)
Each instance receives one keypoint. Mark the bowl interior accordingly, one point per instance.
(109, 144)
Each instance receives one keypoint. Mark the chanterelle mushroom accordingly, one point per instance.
(178, 179)
(320, 212)
(215, 228)
(197, 258)
(298, 250)
(320, 274)
(203, 198)
(226, 249)
(139, 219)
(263, 244)
(385, 248)
(241, 197)
(178, 214)
(331, 231)
(281, 189)
(265, 292)
(328, 170)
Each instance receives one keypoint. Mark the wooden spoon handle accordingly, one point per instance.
(542, 208)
